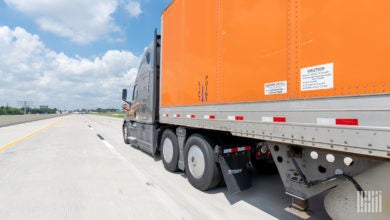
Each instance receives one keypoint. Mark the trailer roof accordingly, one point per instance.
(168, 6)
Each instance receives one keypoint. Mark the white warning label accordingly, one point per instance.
(317, 77)
(275, 88)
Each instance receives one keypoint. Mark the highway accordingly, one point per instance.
(77, 167)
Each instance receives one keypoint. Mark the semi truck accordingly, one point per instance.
(301, 87)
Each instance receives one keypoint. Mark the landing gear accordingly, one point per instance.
(307, 172)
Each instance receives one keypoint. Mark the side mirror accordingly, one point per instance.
(124, 94)
(126, 107)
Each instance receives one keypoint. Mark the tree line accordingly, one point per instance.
(6, 110)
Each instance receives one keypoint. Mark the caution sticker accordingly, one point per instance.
(275, 88)
(317, 77)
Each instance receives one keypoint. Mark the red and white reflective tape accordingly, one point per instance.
(209, 116)
(165, 115)
(338, 121)
(191, 116)
(274, 119)
(235, 117)
(237, 149)
(176, 115)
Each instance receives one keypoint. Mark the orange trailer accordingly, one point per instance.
(252, 51)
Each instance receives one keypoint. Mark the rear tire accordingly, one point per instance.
(125, 133)
(200, 165)
(169, 150)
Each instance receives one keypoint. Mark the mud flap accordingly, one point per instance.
(236, 175)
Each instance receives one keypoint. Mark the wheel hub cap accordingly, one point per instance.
(196, 161)
(168, 150)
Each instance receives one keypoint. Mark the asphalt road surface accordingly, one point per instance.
(60, 169)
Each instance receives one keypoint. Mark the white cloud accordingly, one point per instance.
(133, 8)
(31, 71)
(82, 21)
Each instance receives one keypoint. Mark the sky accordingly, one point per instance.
(73, 54)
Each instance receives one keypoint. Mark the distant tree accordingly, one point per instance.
(6, 110)
(42, 110)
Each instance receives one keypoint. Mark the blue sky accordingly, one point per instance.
(73, 54)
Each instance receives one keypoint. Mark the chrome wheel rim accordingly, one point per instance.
(168, 150)
(196, 161)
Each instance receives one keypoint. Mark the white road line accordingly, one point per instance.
(165, 199)
(90, 127)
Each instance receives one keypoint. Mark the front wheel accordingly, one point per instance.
(200, 165)
(125, 133)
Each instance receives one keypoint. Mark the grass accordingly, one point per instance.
(110, 114)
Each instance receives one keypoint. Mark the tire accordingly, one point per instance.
(169, 149)
(200, 166)
(125, 133)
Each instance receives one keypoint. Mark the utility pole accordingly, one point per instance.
(25, 104)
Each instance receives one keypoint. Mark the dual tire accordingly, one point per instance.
(200, 165)
(201, 168)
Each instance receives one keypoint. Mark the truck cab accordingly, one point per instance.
(140, 125)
